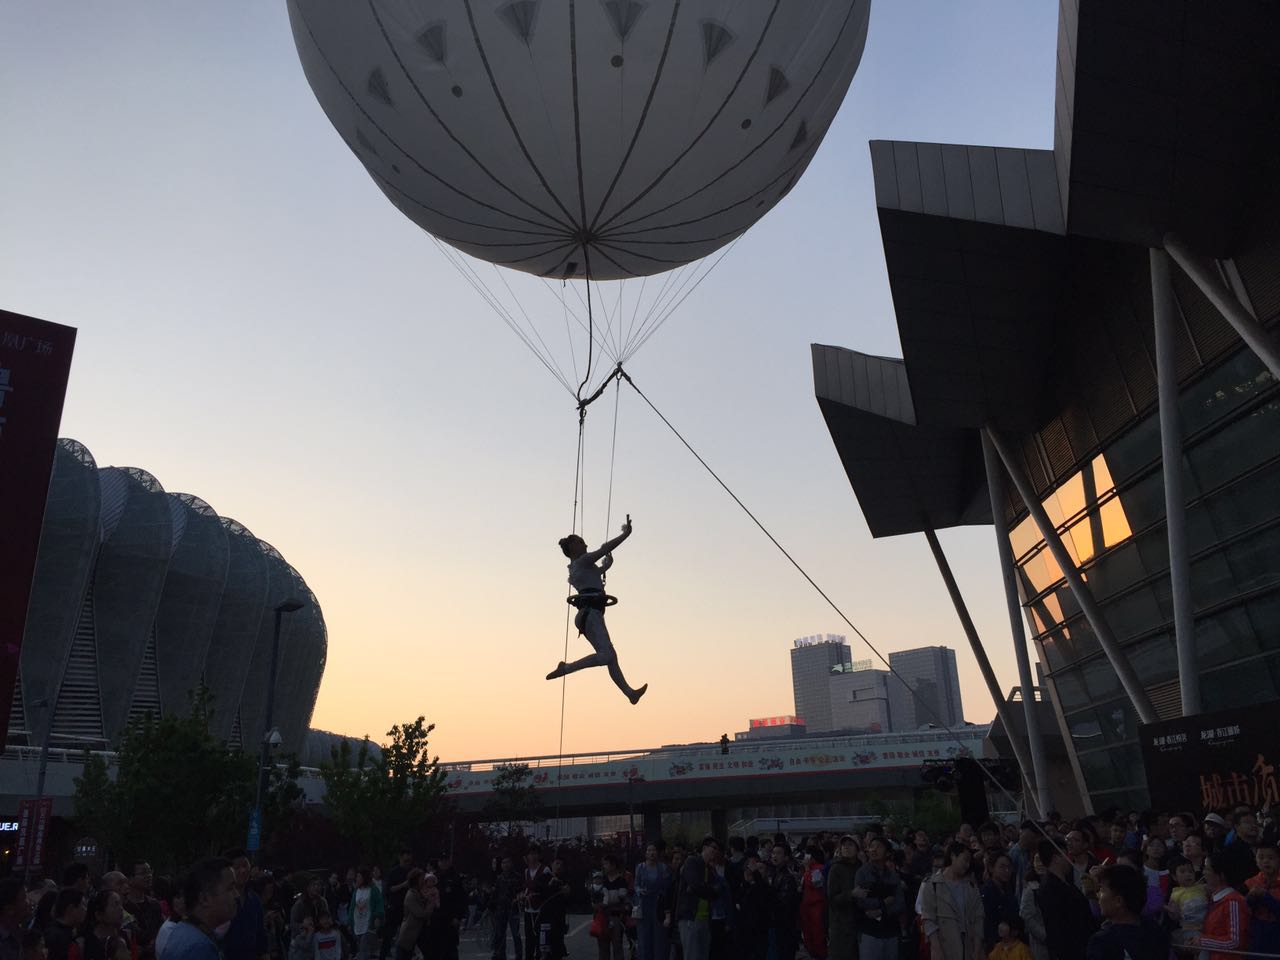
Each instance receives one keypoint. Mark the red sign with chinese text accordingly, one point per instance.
(776, 722)
(33, 827)
(35, 361)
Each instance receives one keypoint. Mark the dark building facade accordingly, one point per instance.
(1045, 300)
(139, 597)
(934, 694)
(812, 660)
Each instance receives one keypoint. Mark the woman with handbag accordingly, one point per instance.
(652, 911)
(611, 893)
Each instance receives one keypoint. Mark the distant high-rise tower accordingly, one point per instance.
(931, 673)
(812, 660)
(860, 700)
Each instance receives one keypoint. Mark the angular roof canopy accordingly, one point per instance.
(1019, 277)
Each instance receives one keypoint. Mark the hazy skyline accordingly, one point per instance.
(260, 327)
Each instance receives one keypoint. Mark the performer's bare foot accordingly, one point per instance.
(559, 671)
(635, 695)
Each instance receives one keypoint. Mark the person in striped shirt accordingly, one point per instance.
(1226, 925)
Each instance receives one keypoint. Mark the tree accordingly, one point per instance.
(179, 794)
(380, 799)
(515, 799)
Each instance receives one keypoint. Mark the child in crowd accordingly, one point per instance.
(328, 940)
(1010, 946)
(1188, 903)
(1154, 854)
(1263, 897)
(303, 946)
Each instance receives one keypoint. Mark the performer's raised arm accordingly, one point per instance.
(610, 545)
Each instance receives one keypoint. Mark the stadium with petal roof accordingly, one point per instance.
(141, 596)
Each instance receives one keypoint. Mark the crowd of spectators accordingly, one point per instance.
(1123, 887)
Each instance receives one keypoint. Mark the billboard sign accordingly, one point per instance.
(1213, 760)
(35, 361)
(754, 760)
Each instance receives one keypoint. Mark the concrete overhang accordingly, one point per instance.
(907, 477)
(1166, 118)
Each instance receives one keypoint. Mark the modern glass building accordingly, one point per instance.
(812, 660)
(139, 597)
(1090, 361)
(934, 694)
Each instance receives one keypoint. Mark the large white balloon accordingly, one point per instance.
(560, 137)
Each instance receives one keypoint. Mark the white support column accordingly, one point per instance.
(1175, 501)
(1035, 738)
(1084, 596)
(1205, 274)
(984, 664)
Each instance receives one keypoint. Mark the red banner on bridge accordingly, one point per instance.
(35, 361)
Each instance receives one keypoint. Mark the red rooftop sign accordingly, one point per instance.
(777, 722)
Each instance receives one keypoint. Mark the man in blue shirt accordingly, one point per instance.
(210, 895)
(246, 938)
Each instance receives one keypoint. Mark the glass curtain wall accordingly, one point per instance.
(1111, 514)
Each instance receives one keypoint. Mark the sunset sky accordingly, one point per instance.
(260, 327)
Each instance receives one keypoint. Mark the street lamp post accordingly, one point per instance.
(631, 806)
(270, 736)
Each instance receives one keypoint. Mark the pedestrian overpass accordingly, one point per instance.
(710, 777)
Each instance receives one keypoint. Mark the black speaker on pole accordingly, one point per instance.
(971, 785)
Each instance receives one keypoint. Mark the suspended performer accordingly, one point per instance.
(587, 578)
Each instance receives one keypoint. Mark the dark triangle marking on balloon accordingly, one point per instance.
(778, 85)
(701, 133)
(801, 137)
(715, 40)
(750, 153)
(365, 143)
(433, 40)
(378, 88)
(511, 123)
(520, 15)
(554, 220)
(644, 114)
(355, 102)
(623, 14)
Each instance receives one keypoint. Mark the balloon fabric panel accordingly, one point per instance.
(576, 138)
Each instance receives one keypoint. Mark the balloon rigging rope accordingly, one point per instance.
(568, 334)
(568, 614)
(580, 500)
(591, 327)
(920, 701)
(613, 450)
(564, 303)
(641, 340)
(532, 326)
(478, 284)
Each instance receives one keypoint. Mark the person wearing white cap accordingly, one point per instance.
(1215, 831)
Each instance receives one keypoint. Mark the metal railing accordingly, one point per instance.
(736, 748)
